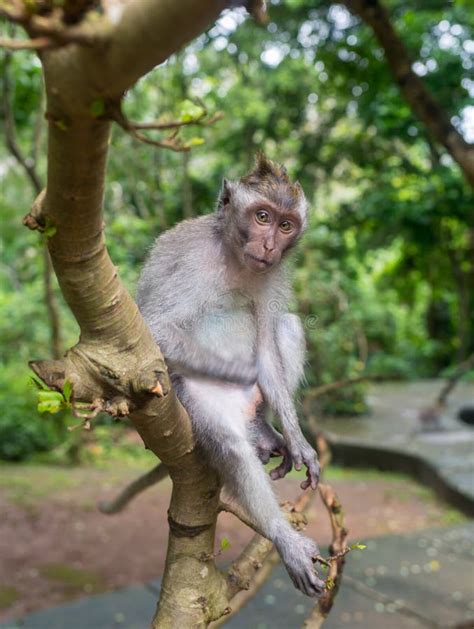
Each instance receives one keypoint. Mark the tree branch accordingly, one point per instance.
(38, 43)
(417, 94)
(337, 550)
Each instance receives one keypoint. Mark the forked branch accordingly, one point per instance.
(173, 142)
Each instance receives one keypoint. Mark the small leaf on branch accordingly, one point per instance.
(358, 546)
(67, 391)
(329, 583)
(39, 383)
(195, 142)
(191, 111)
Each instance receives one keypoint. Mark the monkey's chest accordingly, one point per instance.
(228, 327)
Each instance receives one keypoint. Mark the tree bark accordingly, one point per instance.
(415, 91)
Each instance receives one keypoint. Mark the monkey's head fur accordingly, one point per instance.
(262, 215)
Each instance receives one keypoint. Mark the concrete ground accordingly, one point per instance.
(420, 580)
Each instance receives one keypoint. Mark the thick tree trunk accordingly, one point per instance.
(418, 96)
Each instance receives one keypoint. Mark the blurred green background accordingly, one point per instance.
(384, 276)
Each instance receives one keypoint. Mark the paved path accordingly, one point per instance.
(390, 437)
(420, 580)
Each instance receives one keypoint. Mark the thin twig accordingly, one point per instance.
(338, 550)
(172, 142)
(430, 416)
(339, 384)
(39, 43)
(48, 31)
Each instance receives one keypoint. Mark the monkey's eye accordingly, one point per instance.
(286, 226)
(262, 217)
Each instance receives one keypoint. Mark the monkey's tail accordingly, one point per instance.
(155, 475)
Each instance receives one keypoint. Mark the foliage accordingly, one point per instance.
(23, 431)
(385, 275)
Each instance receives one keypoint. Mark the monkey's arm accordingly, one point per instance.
(186, 356)
(278, 363)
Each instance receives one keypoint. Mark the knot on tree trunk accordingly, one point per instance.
(101, 381)
(36, 219)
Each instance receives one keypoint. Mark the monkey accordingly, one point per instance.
(214, 292)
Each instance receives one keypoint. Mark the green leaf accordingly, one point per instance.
(329, 583)
(97, 108)
(195, 141)
(50, 396)
(358, 546)
(39, 383)
(190, 111)
(225, 544)
(67, 391)
(49, 406)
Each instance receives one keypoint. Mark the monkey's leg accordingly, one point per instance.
(219, 415)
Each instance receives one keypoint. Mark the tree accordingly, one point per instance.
(89, 60)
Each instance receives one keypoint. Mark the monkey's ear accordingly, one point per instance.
(224, 195)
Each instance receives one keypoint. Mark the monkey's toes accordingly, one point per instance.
(308, 582)
(282, 470)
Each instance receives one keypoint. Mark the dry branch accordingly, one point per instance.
(340, 384)
(430, 416)
(49, 29)
(38, 43)
(337, 550)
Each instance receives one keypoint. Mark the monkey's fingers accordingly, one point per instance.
(312, 474)
(285, 466)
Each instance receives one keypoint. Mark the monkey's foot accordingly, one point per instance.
(303, 454)
(298, 553)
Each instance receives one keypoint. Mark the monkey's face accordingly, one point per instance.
(267, 231)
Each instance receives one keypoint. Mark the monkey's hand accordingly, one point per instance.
(269, 443)
(303, 454)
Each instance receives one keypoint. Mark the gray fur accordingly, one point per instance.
(227, 335)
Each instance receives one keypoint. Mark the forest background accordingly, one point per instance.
(384, 276)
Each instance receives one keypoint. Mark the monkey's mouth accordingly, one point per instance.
(261, 262)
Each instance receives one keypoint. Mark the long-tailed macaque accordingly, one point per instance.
(215, 294)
